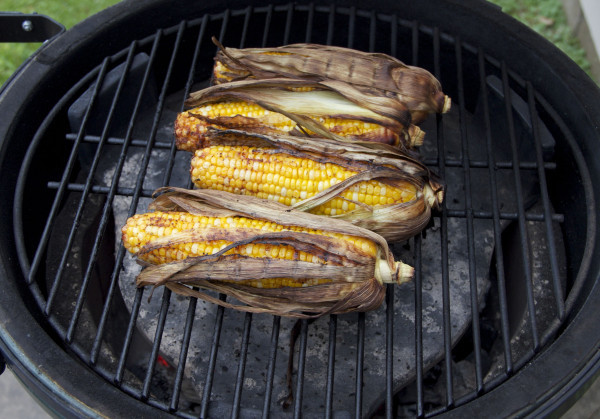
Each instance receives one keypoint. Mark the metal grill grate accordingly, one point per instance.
(499, 233)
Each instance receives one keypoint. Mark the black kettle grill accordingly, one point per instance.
(500, 320)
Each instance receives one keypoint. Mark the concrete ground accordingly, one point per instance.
(16, 403)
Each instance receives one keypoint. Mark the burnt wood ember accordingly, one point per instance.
(501, 314)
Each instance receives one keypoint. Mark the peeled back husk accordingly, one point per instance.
(371, 161)
(356, 285)
(374, 74)
(307, 103)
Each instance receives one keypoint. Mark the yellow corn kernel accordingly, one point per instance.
(299, 185)
(168, 222)
(190, 130)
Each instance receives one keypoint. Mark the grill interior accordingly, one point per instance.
(497, 271)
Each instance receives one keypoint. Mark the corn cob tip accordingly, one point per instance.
(401, 272)
(417, 135)
(404, 273)
(447, 104)
(433, 198)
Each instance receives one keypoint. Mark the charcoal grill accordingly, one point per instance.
(500, 318)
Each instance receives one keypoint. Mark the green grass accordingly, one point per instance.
(544, 16)
(547, 18)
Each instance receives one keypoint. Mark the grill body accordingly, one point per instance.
(76, 352)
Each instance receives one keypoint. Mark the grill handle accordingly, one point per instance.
(21, 27)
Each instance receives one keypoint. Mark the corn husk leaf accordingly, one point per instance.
(331, 99)
(357, 279)
(395, 222)
(373, 74)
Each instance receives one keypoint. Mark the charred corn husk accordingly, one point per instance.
(266, 256)
(392, 195)
(371, 73)
(268, 107)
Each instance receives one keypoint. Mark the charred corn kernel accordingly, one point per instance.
(157, 225)
(191, 126)
(301, 183)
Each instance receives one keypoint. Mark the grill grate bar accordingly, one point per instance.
(224, 24)
(483, 164)
(103, 221)
(520, 208)
(360, 360)
(301, 366)
(450, 162)
(162, 317)
(77, 219)
(189, 322)
(559, 297)
(454, 213)
(92, 139)
(173, 149)
(239, 383)
(372, 31)
(419, 325)
(330, 367)
(394, 35)
(135, 309)
(499, 253)
(351, 24)
(70, 164)
(389, 350)
(154, 129)
(80, 187)
(212, 362)
(418, 273)
(586, 180)
(135, 194)
(268, 19)
(247, 16)
(469, 219)
(288, 23)
(271, 368)
(504, 215)
(309, 23)
(415, 43)
(330, 24)
(71, 236)
(444, 240)
(185, 343)
(166, 293)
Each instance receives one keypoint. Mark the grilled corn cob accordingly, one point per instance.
(278, 261)
(268, 174)
(377, 188)
(372, 73)
(273, 109)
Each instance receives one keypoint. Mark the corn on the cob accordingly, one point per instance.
(142, 230)
(377, 188)
(272, 109)
(288, 179)
(278, 261)
(372, 73)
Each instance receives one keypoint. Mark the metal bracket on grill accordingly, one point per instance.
(22, 27)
